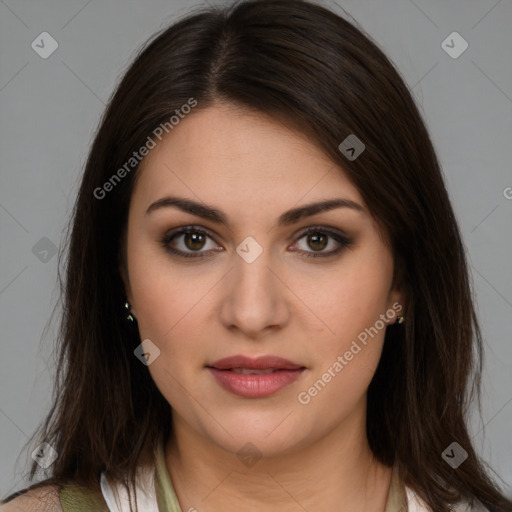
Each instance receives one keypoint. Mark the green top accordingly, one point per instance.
(75, 498)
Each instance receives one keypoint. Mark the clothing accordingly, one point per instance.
(155, 493)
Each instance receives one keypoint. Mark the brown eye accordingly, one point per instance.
(317, 242)
(188, 242)
(318, 238)
(194, 241)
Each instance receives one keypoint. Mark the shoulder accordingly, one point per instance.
(41, 499)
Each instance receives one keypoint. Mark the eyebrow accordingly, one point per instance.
(219, 217)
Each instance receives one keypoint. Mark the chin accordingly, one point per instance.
(271, 434)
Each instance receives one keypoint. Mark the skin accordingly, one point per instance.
(308, 310)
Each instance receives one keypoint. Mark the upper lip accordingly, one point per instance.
(258, 363)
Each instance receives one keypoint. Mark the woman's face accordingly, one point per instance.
(255, 284)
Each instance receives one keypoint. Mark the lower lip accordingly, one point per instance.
(255, 385)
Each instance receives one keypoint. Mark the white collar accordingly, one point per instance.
(116, 496)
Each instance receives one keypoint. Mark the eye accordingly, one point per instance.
(191, 241)
(317, 238)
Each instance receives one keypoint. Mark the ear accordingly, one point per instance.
(123, 272)
(396, 304)
(397, 295)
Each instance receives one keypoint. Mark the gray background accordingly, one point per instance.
(50, 107)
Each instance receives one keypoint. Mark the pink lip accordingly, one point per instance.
(255, 385)
(259, 363)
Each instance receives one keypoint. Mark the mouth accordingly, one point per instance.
(255, 378)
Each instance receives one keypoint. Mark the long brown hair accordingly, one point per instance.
(315, 71)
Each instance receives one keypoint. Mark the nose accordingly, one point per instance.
(255, 298)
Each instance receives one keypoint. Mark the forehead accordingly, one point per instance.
(230, 155)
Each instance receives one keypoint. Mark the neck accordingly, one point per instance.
(336, 473)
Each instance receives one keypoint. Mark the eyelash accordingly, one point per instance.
(338, 237)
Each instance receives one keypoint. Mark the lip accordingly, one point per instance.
(258, 363)
(255, 385)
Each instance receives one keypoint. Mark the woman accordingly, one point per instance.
(263, 198)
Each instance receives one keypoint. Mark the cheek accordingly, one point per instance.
(170, 302)
(167, 302)
(356, 295)
(347, 358)
(170, 312)
(352, 326)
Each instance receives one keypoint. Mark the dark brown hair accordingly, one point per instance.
(313, 70)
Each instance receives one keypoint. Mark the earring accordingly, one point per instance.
(129, 316)
(400, 319)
